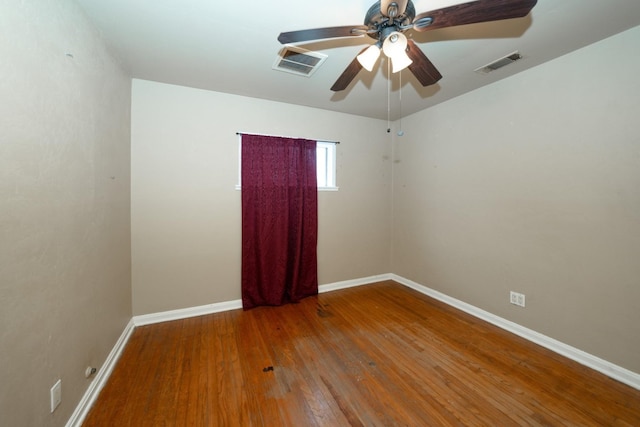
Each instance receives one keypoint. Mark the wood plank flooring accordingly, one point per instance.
(375, 355)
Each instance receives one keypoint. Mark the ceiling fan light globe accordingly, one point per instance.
(400, 62)
(394, 44)
(369, 57)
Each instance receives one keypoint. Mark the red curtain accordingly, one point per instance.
(279, 220)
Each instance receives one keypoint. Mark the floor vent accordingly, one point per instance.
(499, 63)
(295, 60)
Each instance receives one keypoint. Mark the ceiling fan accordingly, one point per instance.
(387, 20)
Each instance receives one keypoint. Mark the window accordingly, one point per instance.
(325, 164)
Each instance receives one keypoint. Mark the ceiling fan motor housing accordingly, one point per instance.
(381, 26)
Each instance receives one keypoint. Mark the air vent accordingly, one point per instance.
(295, 60)
(499, 63)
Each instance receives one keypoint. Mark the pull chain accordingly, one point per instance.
(389, 95)
(400, 131)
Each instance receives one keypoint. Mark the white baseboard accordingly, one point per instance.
(185, 313)
(352, 283)
(616, 372)
(100, 379)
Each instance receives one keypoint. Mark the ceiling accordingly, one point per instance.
(231, 46)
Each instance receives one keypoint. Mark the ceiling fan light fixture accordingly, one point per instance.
(400, 62)
(369, 57)
(393, 43)
(395, 47)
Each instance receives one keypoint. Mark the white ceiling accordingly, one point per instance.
(231, 47)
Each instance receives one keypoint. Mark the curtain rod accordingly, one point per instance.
(280, 136)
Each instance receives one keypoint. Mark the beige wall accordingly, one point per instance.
(65, 278)
(532, 184)
(186, 211)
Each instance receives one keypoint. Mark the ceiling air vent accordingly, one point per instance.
(499, 63)
(295, 60)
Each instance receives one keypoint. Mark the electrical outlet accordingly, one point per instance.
(516, 298)
(56, 395)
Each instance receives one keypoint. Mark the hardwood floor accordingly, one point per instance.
(375, 355)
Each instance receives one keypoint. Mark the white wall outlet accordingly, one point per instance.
(516, 298)
(56, 395)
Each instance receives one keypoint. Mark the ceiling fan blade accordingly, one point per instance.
(397, 7)
(348, 74)
(472, 13)
(321, 33)
(424, 70)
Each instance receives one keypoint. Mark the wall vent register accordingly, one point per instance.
(499, 63)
